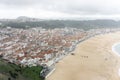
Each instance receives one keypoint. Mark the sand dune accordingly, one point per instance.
(93, 60)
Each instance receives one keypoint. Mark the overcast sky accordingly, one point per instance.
(56, 9)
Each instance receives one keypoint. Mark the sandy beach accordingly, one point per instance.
(93, 60)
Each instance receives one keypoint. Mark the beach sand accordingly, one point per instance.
(93, 60)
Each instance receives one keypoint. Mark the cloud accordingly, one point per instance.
(59, 8)
(19, 2)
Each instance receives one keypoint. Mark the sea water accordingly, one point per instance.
(116, 48)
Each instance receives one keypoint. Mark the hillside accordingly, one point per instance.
(25, 22)
(9, 71)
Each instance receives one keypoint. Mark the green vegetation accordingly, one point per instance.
(32, 72)
(9, 71)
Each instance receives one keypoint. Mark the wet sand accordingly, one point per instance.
(93, 60)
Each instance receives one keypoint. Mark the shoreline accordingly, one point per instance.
(76, 44)
(62, 62)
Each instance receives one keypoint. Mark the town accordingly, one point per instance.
(44, 47)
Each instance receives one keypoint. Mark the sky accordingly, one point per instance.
(61, 9)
